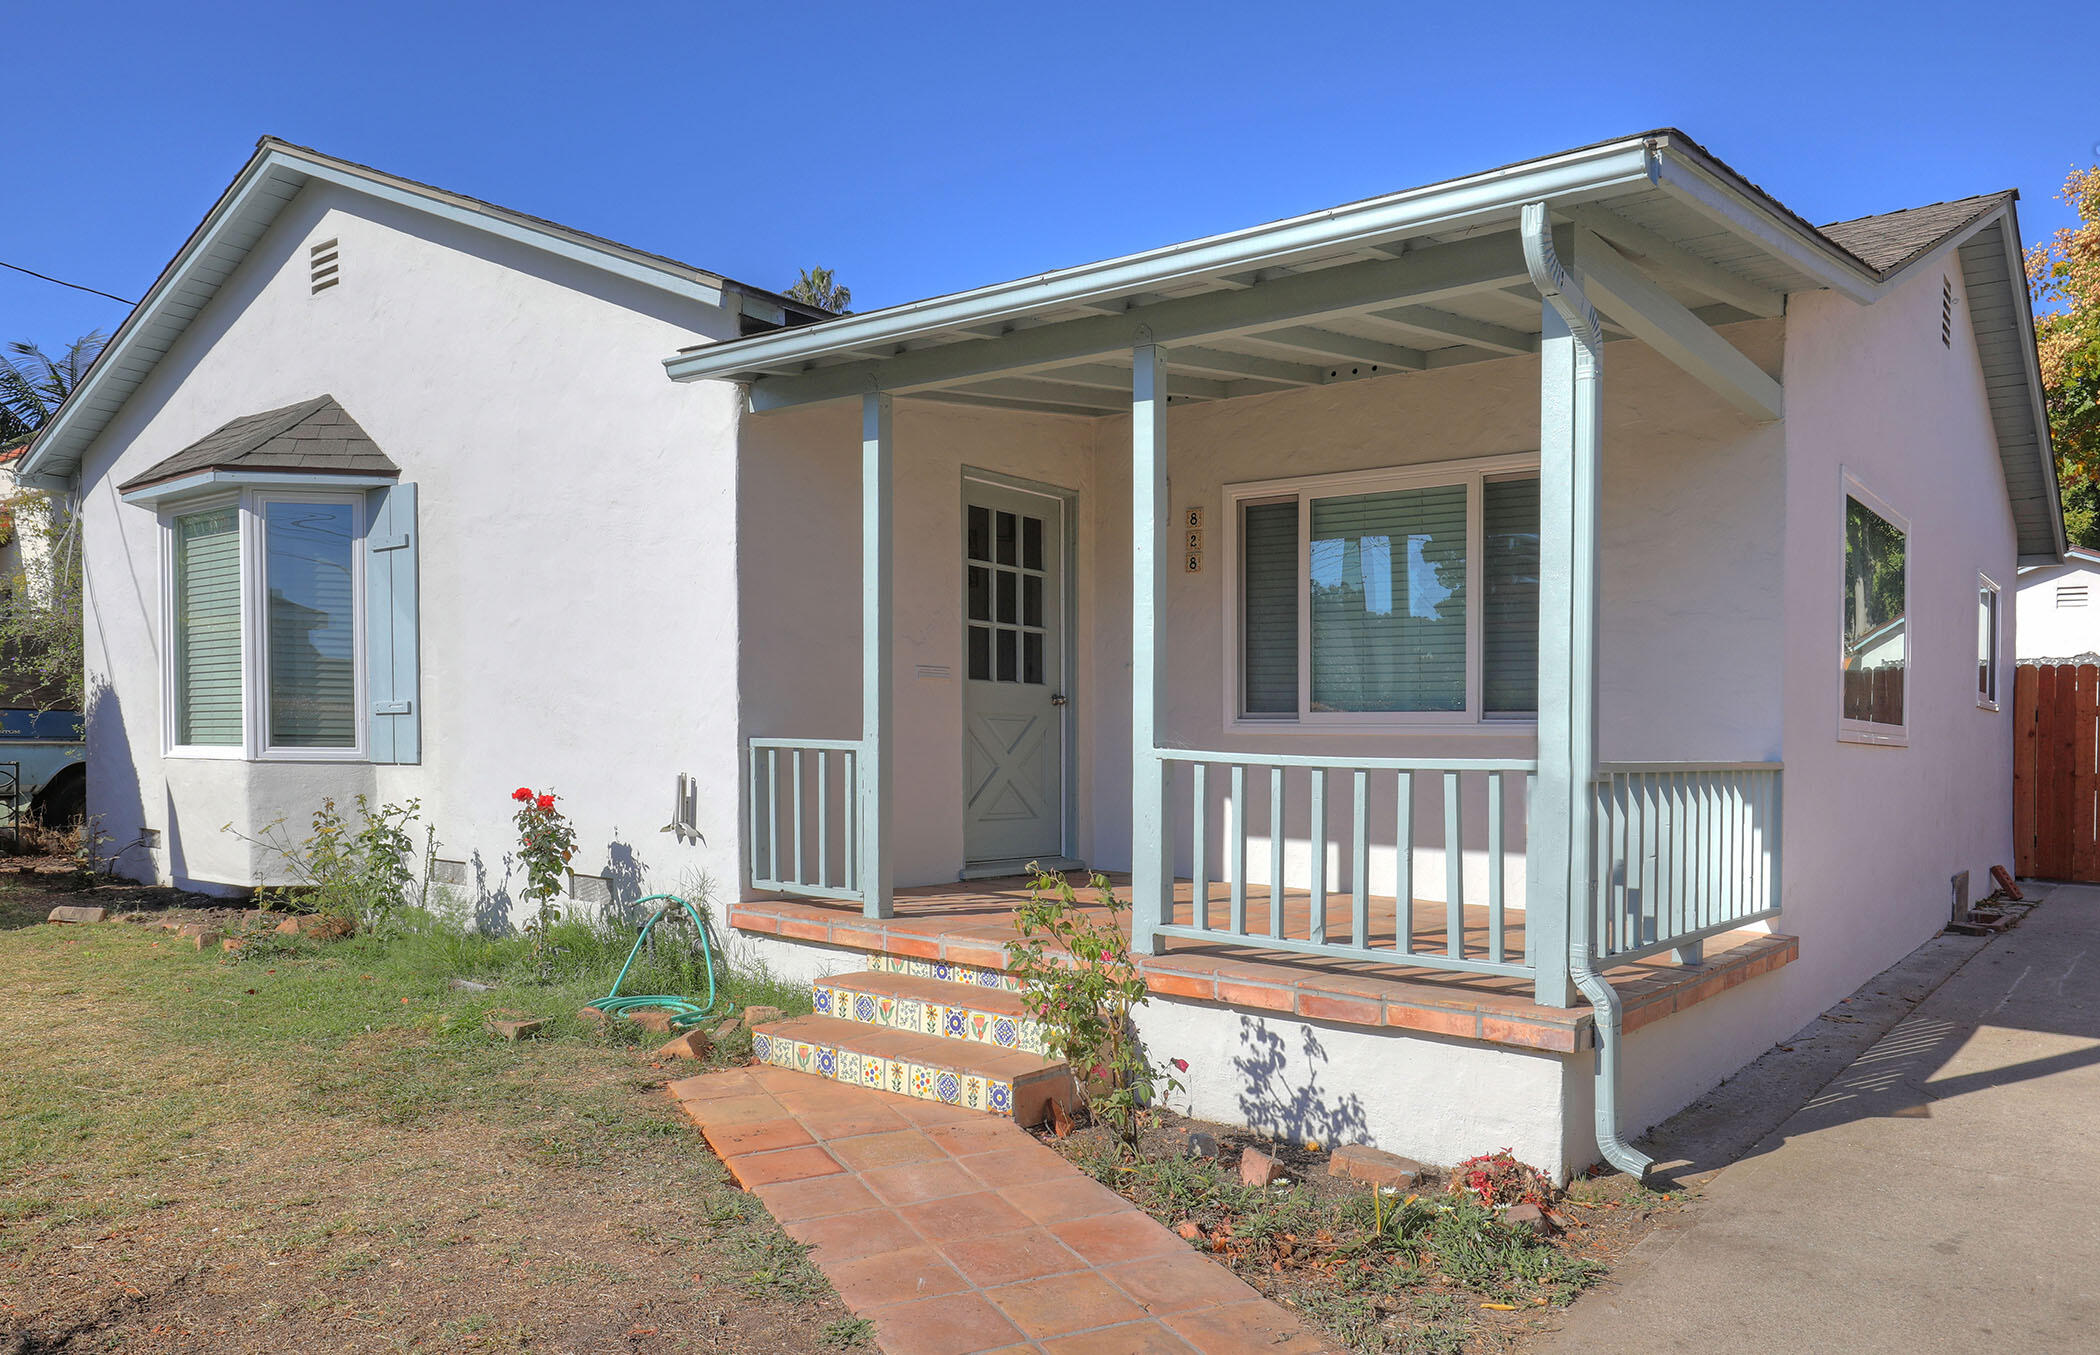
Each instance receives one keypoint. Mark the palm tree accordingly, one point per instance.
(33, 383)
(820, 289)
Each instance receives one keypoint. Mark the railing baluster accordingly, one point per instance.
(1360, 861)
(1494, 854)
(1316, 837)
(1199, 876)
(1238, 841)
(823, 818)
(773, 813)
(1454, 872)
(1404, 864)
(795, 761)
(849, 793)
(1276, 850)
(752, 790)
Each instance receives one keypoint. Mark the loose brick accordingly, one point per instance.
(1257, 1168)
(694, 1044)
(76, 914)
(1364, 1163)
(594, 1015)
(2004, 881)
(759, 1016)
(1531, 1218)
(515, 1025)
(655, 1020)
(202, 936)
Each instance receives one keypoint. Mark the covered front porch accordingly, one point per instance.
(1538, 873)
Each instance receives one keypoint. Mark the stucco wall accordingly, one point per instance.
(2047, 631)
(1873, 834)
(578, 609)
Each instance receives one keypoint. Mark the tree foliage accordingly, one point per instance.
(33, 383)
(2063, 277)
(819, 288)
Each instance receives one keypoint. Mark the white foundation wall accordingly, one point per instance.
(1873, 835)
(2047, 629)
(577, 556)
(1690, 615)
(799, 519)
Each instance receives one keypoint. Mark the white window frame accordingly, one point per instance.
(1869, 732)
(255, 704)
(1473, 473)
(1986, 584)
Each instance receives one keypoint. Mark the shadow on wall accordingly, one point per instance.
(625, 877)
(1306, 1113)
(491, 907)
(114, 806)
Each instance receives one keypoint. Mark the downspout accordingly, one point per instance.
(1564, 294)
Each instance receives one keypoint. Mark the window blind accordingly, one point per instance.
(208, 628)
(1510, 610)
(1388, 589)
(312, 624)
(1269, 550)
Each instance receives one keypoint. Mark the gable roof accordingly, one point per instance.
(314, 437)
(1891, 240)
(274, 175)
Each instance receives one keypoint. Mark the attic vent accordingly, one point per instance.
(2070, 595)
(321, 266)
(1946, 312)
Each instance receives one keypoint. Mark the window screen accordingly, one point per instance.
(1269, 622)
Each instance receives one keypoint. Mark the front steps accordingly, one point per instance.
(957, 1036)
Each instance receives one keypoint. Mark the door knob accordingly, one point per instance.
(1058, 698)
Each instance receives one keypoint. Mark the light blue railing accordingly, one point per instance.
(804, 799)
(1685, 850)
(1354, 806)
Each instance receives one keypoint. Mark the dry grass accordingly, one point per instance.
(320, 1149)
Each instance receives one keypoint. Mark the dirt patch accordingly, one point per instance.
(1420, 1269)
(323, 1149)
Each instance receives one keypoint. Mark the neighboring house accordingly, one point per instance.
(2059, 608)
(1479, 545)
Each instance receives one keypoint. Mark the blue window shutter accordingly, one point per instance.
(391, 666)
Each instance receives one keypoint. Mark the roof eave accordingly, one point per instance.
(1585, 175)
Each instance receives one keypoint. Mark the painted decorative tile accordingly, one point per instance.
(874, 1071)
(973, 1092)
(821, 996)
(762, 1048)
(1002, 1097)
(1004, 1032)
(955, 1023)
(948, 1087)
(899, 1075)
(827, 1062)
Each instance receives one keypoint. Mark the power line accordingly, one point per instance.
(63, 283)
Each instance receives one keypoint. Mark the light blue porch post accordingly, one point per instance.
(877, 875)
(1151, 846)
(1558, 860)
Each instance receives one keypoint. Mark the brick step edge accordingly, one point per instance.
(951, 1011)
(950, 1072)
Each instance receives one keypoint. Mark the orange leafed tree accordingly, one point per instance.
(2063, 277)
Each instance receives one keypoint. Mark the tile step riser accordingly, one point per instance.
(949, 1022)
(925, 1082)
(967, 976)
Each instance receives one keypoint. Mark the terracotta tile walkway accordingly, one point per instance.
(956, 1232)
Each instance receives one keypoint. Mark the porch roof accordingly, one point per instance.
(1669, 242)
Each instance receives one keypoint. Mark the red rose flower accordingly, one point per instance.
(545, 802)
(521, 793)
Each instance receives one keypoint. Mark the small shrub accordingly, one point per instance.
(546, 843)
(1079, 980)
(363, 866)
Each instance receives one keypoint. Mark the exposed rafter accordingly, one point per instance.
(1479, 333)
(1344, 347)
(1661, 257)
(1656, 318)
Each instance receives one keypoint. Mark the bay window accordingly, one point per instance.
(1399, 596)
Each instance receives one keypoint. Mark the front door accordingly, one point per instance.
(1013, 675)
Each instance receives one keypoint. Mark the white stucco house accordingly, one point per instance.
(2059, 608)
(1590, 553)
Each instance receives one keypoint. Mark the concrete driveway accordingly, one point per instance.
(1941, 1194)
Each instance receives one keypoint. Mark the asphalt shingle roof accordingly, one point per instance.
(1892, 239)
(316, 436)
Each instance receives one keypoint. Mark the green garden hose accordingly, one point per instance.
(685, 1013)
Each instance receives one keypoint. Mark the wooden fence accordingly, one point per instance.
(2056, 772)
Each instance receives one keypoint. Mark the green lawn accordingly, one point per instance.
(312, 1147)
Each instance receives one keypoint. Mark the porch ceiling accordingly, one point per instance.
(1411, 282)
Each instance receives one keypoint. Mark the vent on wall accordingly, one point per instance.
(1946, 312)
(2070, 595)
(321, 265)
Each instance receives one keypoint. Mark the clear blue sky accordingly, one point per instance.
(921, 148)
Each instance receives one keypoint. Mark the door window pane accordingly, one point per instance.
(1388, 589)
(207, 619)
(1006, 596)
(1006, 655)
(1031, 601)
(1510, 610)
(1031, 657)
(1006, 538)
(981, 653)
(1032, 543)
(980, 533)
(980, 594)
(1875, 642)
(309, 572)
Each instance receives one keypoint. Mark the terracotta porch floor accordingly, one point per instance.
(970, 923)
(956, 1232)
